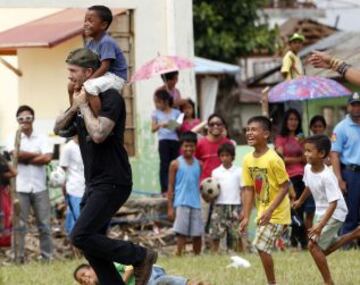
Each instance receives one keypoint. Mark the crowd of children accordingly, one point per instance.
(265, 179)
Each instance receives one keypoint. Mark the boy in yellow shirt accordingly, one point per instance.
(266, 180)
(291, 64)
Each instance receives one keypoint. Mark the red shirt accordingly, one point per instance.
(187, 126)
(206, 152)
(291, 148)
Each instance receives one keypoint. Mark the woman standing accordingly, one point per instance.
(289, 144)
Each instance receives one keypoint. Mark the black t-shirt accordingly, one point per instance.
(106, 162)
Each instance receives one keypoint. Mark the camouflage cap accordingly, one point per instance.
(83, 57)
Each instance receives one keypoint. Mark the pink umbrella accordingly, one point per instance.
(161, 65)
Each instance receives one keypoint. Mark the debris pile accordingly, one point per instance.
(141, 220)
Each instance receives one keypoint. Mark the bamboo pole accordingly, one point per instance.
(11, 67)
(265, 101)
(15, 201)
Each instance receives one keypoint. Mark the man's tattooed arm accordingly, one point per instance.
(63, 120)
(98, 128)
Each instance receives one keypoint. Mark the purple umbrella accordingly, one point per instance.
(307, 88)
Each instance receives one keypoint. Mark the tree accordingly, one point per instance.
(228, 29)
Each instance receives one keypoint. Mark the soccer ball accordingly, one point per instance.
(57, 177)
(209, 189)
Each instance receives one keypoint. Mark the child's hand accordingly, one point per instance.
(171, 214)
(296, 204)
(243, 225)
(315, 231)
(164, 124)
(241, 216)
(265, 217)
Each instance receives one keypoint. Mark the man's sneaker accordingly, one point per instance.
(142, 271)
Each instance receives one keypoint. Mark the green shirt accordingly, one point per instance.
(121, 269)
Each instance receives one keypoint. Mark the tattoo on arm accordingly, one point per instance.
(98, 128)
(63, 120)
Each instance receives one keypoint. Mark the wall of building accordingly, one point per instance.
(9, 91)
(44, 82)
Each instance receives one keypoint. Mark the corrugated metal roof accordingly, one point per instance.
(343, 45)
(207, 66)
(48, 31)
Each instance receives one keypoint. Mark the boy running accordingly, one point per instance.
(184, 195)
(265, 178)
(331, 210)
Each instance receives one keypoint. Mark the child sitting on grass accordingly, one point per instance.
(265, 178)
(331, 210)
(226, 212)
(184, 195)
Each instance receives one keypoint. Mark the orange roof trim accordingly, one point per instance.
(46, 32)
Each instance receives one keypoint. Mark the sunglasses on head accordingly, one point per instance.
(218, 124)
(23, 119)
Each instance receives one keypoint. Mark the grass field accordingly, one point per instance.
(291, 268)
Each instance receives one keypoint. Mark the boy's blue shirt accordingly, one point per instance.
(187, 181)
(107, 48)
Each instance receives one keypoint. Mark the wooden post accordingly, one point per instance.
(15, 201)
(265, 101)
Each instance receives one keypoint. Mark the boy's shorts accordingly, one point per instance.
(109, 80)
(267, 235)
(224, 219)
(188, 222)
(329, 233)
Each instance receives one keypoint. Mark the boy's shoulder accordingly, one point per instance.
(248, 156)
(108, 38)
(290, 53)
(217, 170)
(271, 154)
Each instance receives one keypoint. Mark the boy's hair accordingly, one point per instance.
(284, 130)
(192, 104)
(321, 143)
(262, 120)
(163, 95)
(227, 148)
(103, 12)
(81, 266)
(317, 118)
(188, 137)
(169, 76)
(23, 108)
